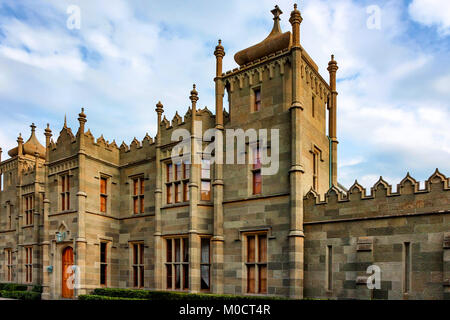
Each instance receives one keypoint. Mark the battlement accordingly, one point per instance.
(409, 199)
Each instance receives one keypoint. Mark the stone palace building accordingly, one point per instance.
(128, 217)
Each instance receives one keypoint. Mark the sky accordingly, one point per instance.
(125, 56)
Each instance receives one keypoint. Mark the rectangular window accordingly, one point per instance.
(178, 171)
(316, 170)
(178, 189)
(256, 263)
(138, 195)
(177, 185)
(313, 107)
(103, 194)
(169, 193)
(329, 268)
(65, 192)
(187, 170)
(205, 264)
(28, 206)
(257, 101)
(407, 270)
(138, 265)
(9, 276)
(205, 191)
(185, 192)
(169, 172)
(103, 263)
(177, 263)
(28, 264)
(256, 171)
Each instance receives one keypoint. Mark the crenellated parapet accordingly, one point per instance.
(355, 203)
(253, 72)
(137, 150)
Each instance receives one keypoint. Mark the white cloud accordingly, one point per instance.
(432, 13)
(393, 104)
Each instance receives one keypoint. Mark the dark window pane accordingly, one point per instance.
(204, 277)
(141, 253)
(135, 253)
(186, 250)
(205, 250)
(169, 250)
(169, 276)
(103, 252)
(177, 276)
(141, 270)
(186, 276)
(177, 250)
(135, 276)
(103, 274)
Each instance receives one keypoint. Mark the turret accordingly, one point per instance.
(219, 53)
(332, 68)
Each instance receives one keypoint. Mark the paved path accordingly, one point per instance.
(6, 299)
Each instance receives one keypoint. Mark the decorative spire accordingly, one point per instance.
(276, 21)
(33, 128)
(159, 108)
(194, 94)
(332, 65)
(219, 52)
(47, 130)
(295, 20)
(65, 121)
(82, 115)
(19, 138)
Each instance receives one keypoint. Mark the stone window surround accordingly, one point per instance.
(173, 262)
(245, 234)
(180, 181)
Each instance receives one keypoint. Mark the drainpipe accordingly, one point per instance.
(330, 159)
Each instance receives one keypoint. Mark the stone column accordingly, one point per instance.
(80, 241)
(194, 239)
(19, 209)
(158, 270)
(36, 221)
(218, 239)
(296, 236)
(332, 68)
(45, 257)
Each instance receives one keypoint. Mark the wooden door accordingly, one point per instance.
(67, 263)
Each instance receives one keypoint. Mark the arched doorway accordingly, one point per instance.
(67, 272)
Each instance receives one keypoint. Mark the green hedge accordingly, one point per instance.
(21, 295)
(13, 287)
(170, 295)
(37, 288)
(93, 297)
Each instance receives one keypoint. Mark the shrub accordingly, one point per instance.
(37, 288)
(21, 295)
(92, 297)
(170, 295)
(13, 287)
